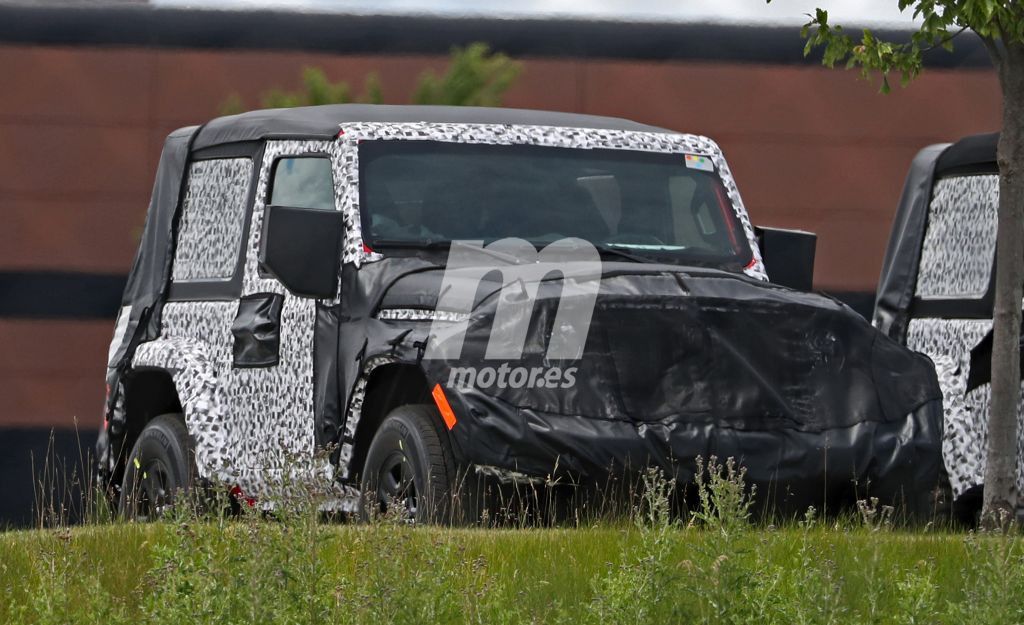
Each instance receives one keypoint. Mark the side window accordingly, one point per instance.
(212, 220)
(303, 182)
(960, 239)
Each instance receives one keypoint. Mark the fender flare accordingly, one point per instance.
(355, 412)
(195, 378)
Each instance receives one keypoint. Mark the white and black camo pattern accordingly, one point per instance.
(948, 343)
(960, 239)
(212, 219)
(274, 405)
(550, 136)
(253, 427)
(419, 314)
(195, 376)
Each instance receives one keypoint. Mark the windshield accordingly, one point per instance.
(659, 206)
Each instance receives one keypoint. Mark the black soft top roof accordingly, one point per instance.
(323, 122)
(969, 152)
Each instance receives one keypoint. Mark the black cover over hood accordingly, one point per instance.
(678, 363)
(711, 348)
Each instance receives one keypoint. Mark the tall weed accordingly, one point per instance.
(283, 564)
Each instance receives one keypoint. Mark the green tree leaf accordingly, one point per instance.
(475, 76)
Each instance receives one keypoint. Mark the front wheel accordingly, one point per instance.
(159, 470)
(410, 470)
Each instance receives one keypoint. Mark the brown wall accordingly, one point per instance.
(81, 129)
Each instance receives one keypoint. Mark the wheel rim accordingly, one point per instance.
(153, 495)
(396, 486)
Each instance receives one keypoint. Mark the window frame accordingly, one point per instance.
(223, 289)
(962, 306)
(261, 271)
(304, 155)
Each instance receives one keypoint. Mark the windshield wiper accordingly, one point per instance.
(636, 258)
(420, 245)
(444, 244)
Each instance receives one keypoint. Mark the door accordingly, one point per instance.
(952, 313)
(270, 393)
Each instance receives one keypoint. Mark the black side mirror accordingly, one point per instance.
(788, 256)
(302, 249)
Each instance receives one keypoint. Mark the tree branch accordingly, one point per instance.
(993, 50)
(998, 57)
(944, 41)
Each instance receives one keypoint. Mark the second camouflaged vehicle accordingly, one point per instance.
(294, 315)
(937, 291)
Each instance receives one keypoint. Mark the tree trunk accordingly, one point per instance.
(1001, 465)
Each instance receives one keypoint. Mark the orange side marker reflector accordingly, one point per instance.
(442, 404)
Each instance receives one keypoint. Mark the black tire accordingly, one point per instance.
(942, 500)
(160, 469)
(410, 469)
(967, 509)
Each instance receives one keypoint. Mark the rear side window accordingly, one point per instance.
(303, 182)
(960, 238)
(212, 220)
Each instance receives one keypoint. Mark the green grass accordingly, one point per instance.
(647, 567)
(301, 571)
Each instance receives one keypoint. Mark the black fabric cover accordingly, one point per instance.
(678, 363)
(898, 461)
(147, 284)
(726, 351)
(326, 391)
(899, 268)
(149, 277)
(970, 151)
(302, 249)
(323, 122)
(788, 256)
(257, 330)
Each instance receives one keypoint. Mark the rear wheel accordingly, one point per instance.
(159, 471)
(410, 470)
(967, 509)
